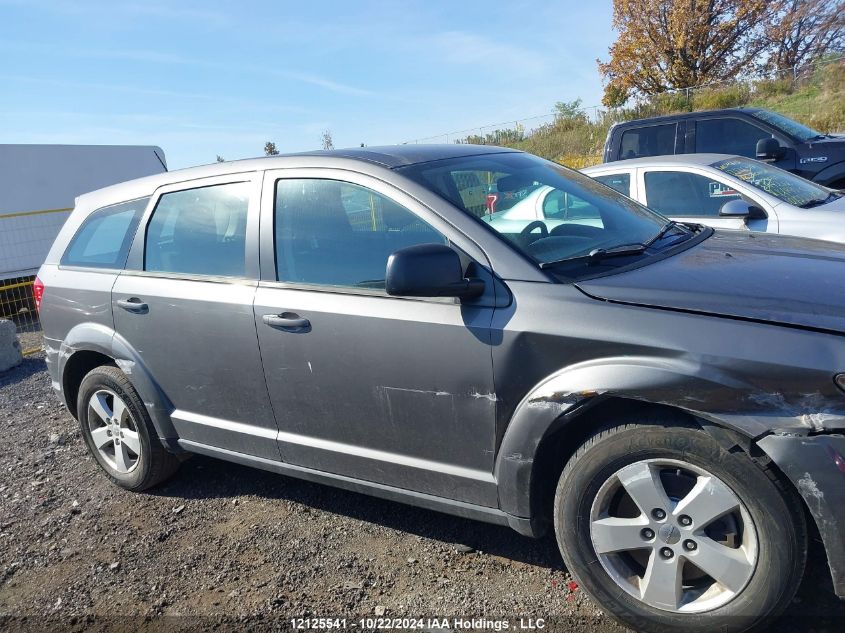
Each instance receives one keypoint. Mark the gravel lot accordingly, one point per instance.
(236, 548)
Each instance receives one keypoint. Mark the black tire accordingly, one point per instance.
(775, 509)
(154, 463)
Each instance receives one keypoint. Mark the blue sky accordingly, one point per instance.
(207, 78)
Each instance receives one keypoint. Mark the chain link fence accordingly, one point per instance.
(575, 134)
(17, 304)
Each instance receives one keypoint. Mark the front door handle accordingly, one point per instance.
(133, 304)
(287, 321)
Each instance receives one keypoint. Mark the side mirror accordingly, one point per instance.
(769, 149)
(739, 208)
(429, 270)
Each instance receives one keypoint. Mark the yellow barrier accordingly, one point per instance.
(22, 214)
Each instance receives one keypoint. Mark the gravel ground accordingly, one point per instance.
(235, 548)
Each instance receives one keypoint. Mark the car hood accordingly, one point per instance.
(838, 139)
(833, 205)
(778, 279)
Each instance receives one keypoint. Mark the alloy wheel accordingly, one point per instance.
(673, 535)
(113, 431)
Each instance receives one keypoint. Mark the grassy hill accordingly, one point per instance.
(576, 140)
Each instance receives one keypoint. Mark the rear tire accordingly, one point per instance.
(722, 511)
(119, 432)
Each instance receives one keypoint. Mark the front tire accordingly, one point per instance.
(119, 433)
(668, 531)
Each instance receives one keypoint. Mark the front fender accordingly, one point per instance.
(830, 174)
(703, 391)
(95, 337)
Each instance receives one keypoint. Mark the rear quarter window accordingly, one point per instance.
(104, 238)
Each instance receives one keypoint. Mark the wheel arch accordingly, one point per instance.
(90, 345)
(557, 415)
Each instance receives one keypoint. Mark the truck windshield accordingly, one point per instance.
(555, 215)
(777, 182)
(793, 128)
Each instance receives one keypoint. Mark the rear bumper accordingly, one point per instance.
(816, 466)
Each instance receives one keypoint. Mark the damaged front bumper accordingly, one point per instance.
(816, 466)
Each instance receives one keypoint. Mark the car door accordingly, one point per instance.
(732, 135)
(691, 195)
(386, 389)
(184, 303)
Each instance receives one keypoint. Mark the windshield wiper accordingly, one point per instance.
(817, 203)
(598, 254)
(671, 224)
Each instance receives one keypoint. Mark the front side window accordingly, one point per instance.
(679, 194)
(199, 231)
(653, 140)
(581, 219)
(619, 182)
(777, 182)
(728, 136)
(104, 238)
(335, 233)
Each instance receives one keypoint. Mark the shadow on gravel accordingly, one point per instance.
(202, 477)
(28, 367)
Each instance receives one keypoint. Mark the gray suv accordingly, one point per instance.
(668, 397)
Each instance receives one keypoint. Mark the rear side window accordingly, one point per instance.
(676, 193)
(654, 140)
(335, 233)
(728, 136)
(619, 182)
(104, 238)
(199, 231)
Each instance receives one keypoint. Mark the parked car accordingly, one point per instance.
(729, 192)
(669, 398)
(553, 206)
(502, 196)
(749, 132)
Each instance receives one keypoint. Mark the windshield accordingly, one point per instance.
(777, 182)
(793, 128)
(556, 215)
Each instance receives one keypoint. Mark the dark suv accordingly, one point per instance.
(749, 132)
(668, 397)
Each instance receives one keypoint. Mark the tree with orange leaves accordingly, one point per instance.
(665, 44)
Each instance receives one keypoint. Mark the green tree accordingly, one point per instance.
(569, 110)
(270, 149)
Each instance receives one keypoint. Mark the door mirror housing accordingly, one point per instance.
(739, 208)
(429, 270)
(769, 149)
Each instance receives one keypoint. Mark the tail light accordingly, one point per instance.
(38, 293)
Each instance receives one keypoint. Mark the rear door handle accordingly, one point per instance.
(287, 321)
(133, 304)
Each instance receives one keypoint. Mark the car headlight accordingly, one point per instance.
(839, 379)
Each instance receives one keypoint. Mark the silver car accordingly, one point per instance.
(729, 192)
